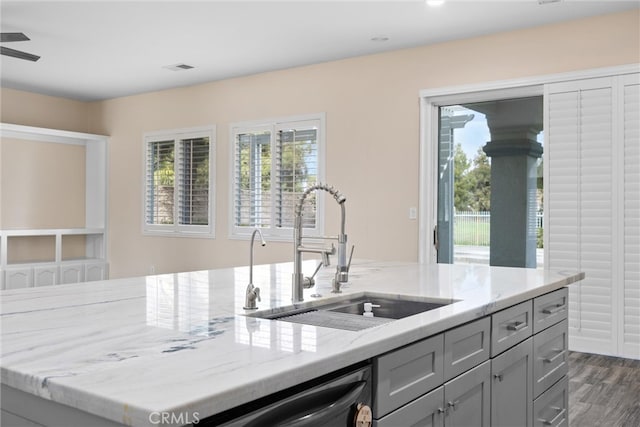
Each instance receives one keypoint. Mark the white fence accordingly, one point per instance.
(473, 228)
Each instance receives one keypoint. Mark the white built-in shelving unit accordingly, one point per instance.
(63, 263)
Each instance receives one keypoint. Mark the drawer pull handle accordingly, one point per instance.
(498, 377)
(555, 309)
(554, 358)
(517, 326)
(560, 413)
(452, 405)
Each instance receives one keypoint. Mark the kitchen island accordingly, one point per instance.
(126, 350)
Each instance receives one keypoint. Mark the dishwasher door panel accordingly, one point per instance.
(333, 402)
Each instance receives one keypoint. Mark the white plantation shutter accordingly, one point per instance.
(273, 164)
(160, 182)
(179, 182)
(193, 181)
(296, 151)
(580, 205)
(252, 183)
(630, 328)
(593, 208)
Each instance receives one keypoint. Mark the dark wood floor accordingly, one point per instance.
(603, 391)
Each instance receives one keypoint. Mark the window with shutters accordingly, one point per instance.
(179, 196)
(273, 163)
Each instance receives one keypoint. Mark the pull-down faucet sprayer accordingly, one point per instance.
(342, 268)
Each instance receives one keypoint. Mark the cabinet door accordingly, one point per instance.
(425, 411)
(71, 273)
(45, 275)
(512, 386)
(95, 271)
(468, 398)
(16, 278)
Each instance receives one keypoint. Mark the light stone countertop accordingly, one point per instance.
(122, 349)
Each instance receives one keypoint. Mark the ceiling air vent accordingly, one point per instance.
(178, 67)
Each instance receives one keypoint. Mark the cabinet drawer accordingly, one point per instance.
(552, 408)
(466, 347)
(550, 354)
(511, 326)
(550, 309)
(407, 373)
(427, 410)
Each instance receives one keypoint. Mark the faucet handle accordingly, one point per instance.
(350, 257)
(257, 292)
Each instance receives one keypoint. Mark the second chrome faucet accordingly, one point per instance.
(252, 292)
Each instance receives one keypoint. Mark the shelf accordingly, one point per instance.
(32, 133)
(52, 245)
(50, 231)
(30, 249)
(29, 254)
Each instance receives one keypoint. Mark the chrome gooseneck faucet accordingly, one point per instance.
(253, 292)
(342, 268)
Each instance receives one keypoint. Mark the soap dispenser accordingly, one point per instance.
(367, 309)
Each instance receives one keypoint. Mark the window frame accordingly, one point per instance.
(271, 233)
(176, 229)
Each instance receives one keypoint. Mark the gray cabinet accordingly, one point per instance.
(550, 353)
(463, 401)
(510, 326)
(550, 309)
(467, 398)
(552, 407)
(407, 373)
(465, 347)
(450, 380)
(512, 386)
(426, 411)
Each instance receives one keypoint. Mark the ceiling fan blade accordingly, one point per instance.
(13, 37)
(18, 54)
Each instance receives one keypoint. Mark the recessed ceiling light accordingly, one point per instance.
(548, 1)
(379, 39)
(435, 2)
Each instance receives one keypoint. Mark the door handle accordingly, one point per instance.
(561, 412)
(517, 326)
(555, 309)
(296, 412)
(548, 359)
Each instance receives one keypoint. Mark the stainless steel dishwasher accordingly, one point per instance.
(335, 400)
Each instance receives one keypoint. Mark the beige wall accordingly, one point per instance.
(43, 184)
(31, 109)
(372, 109)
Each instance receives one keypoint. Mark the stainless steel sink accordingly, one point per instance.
(390, 308)
(346, 312)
